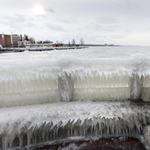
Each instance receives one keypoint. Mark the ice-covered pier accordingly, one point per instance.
(73, 97)
(41, 49)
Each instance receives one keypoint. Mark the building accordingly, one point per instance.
(37, 45)
(5, 40)
(15, 39)
(23, 43)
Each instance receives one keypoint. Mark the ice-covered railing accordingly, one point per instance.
(67, 78)
(26, 126)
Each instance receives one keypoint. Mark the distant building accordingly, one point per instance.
(36, 45)
(5, 40)
(23, 43)
(15, 40)
(56, 45)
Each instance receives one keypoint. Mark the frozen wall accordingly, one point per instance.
(66, 78)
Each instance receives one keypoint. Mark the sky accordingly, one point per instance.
(123, 22)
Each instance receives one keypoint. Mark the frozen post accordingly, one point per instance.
(65, 87)
(135, 87)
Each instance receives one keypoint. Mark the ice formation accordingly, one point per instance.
(146, 132)
(35, 81)
(79, 81)
(39, 124)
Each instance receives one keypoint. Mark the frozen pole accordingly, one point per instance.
(65, 87)
(135, 87)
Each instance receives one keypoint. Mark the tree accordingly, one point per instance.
(32, 40)
(61, 44)
(69, 43)
(81, 41)
(25, 38)
(73, 42)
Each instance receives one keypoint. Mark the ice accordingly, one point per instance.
(66, 78)
(73, 146)
(71, 96)
(147, 136)
(30, 125)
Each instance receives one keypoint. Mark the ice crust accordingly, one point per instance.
(31, 125)
(35, 81)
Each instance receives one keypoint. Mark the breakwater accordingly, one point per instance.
(40, 49)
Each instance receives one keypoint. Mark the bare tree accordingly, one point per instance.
(61, 44)
(73, 42)
(32, 40)
(82, 41)
(69, 43)
(25, 37)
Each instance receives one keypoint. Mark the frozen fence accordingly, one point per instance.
(35, 81)
(26, 126)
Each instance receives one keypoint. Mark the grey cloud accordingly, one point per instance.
(54, 27)
(107, 20)
(105, 28)
(30, 24)
(49, 10)
(16, 21)
(117, 36)
(132, 4)
(41, 16)
(15, 18)
(129, 5)
(67, 20)
(127, 31)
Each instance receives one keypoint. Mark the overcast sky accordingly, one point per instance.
(125, 22)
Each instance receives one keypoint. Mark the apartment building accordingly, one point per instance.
(15, 39)
(5, 40)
